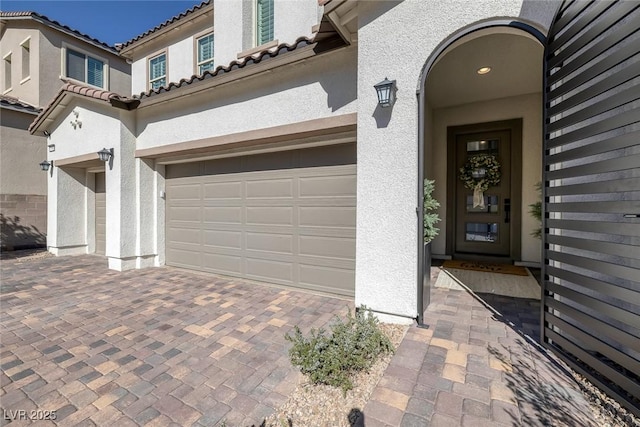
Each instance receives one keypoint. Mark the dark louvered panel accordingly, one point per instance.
(591, 307)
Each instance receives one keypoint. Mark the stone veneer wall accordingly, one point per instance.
(23, 221)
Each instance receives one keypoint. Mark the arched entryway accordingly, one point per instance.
(481, 93)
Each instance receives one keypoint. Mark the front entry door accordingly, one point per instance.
(483, 230)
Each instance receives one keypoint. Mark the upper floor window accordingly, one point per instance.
(85, 68)
(26, 58)
(158, 71)
(264, 21)
(7, 71)
(205, 53)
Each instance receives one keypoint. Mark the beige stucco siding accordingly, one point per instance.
(26, 89)
(51, 57)
(20, 155)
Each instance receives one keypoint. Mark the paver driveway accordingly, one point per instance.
(146, 347)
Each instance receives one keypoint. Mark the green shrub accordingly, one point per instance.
(431, 217)
(535, 210)
(354, 345)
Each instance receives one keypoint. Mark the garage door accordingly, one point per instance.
(286, 218)
(101, 214)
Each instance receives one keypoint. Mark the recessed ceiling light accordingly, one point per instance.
(483, 70)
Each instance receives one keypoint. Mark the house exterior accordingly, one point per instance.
(274, 161)
(39, 55)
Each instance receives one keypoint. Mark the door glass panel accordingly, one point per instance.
(482, 145)
(490, 204)
(481, 232)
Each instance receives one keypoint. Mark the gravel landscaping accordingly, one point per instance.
(320, 405)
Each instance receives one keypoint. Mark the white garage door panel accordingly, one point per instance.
(223, 191)
(332, 247)
(325, 278)
(224, 239)
(270, 242)
(270, 188)
(225, 264)
(325, 216)
(283, 224)
(327, 186)
(230, 215)
(269, 270)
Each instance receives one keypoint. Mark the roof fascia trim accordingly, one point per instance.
(314, 127)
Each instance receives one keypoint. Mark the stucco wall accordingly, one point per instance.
(100, 129)
(292, 19)
(20, 155)
(386, 254)
(25, 89)
(181, 54)
(45, 62)
(51, 43)
(317, 88)
(527, 107)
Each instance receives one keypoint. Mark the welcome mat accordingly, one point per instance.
(488, 267)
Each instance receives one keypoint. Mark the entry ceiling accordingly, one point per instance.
(516, 69)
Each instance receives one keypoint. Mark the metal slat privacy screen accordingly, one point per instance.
(591, 299)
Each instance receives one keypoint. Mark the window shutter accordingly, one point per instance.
(264, 21)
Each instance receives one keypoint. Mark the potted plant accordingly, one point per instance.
(431, 217)
(535, 210)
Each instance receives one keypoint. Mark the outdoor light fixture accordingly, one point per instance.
(386, 92)
(45, 165)
(105, 154)
(483, 70)
(52, 147)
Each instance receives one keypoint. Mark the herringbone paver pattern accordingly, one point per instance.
(155, 347)
(474, 367)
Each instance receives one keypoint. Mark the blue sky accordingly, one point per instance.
(113, 21)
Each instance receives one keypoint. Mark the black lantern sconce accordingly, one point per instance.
(386, 91)
(105, 154)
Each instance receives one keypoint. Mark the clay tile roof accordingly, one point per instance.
(55, 24)
(234, 65)
(102, 95)
(16, 104)
(168, 22)
(89, 92)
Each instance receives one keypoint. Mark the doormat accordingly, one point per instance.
(488, 267)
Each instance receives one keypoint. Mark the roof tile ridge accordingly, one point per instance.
(166, 23)
(233, 65)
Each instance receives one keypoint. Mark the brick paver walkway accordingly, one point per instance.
(156, 347)
(472, 367)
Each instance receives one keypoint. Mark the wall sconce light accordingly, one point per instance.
(52, 147)
(105, 154)
(386, 92)
(45, 165)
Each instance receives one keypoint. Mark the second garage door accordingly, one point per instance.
(287, 218)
